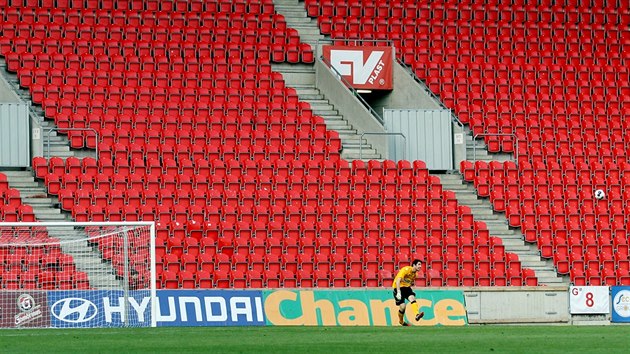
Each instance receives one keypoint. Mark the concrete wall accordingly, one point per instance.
(350, 107)
(517, 305)
(7, 95)
(409, 93)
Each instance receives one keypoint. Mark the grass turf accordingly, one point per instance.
(471, 339)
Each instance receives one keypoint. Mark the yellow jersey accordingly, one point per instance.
(407, 277)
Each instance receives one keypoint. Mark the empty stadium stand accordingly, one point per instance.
(195, 131)
(555, 77)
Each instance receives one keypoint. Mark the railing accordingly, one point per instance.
(436, 98)
(71, 129)
(380, 133)
(498, 135)
(356, 94)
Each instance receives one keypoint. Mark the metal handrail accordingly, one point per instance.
(380, 133)
(354, 92)
(497, 134)
(426, 89)
(71, 129)
(345, 82)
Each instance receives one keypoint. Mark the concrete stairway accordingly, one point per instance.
(54, 144)
(301, 77)
(87, 258)
(46, 208)
(496, 222)
(498, 226)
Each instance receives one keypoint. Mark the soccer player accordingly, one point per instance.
(402, 291)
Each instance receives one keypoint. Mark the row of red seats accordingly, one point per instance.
(255, 146)
(540, 13)
(183, 175)
(559, 182)
(418, 168)
(219, 27)
(24, 234)
(216, 58)
(320, 278)
(231, 123)
(514, 34)
(11, 207)
(200, 86)
(47, 258)
(269, 236)
(44, 280)
(325, 253)
(135, 93)
(219, 63)
(419, 56)
(570, 74)
(193, 191)
(123, 11)
(499, 272)
(267, 279)
(447, 82)
(328, 241)
(116, 126)
(275, 52)
(257, 100)
(160, 46)
(14, 214)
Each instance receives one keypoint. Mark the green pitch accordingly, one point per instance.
(329, 340)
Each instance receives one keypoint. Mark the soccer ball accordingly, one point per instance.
(599, 194)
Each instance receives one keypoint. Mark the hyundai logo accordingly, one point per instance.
(74, 310)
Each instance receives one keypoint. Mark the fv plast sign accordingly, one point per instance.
(363, 67)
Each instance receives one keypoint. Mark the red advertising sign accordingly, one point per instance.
(23, 309)
(370, 68)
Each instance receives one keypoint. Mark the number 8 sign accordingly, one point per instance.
(589, 299)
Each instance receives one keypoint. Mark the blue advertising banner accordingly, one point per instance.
(210, 308)
(98, 308)
(620, 304)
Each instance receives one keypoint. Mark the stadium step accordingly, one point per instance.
(301, 77)
(296, 17)
(497, 225)
(513, 239)
(87, 259)
(53, 144)
(46, 209)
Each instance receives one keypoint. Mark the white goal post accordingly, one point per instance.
(77, 274)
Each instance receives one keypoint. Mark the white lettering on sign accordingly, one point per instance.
(350, 63)
(211, 309)
(589, 299)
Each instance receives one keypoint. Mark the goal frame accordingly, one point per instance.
(152, 239)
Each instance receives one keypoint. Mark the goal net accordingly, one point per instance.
(71, 274)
